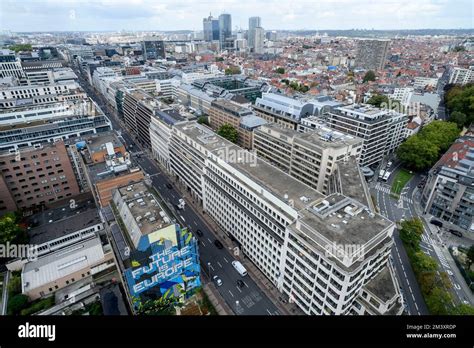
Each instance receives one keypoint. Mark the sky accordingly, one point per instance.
(97, 15)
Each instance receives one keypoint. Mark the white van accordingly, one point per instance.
(239, 268)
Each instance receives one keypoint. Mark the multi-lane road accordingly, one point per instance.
(243, 300)
(431, 243)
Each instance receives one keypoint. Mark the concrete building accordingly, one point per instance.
(70, 250)
(210, 29)
(254, 22)
(259, 37)
(225, 30)
(282, 110)
(449, 193)
(30, 125)
(161, 125)
(382, 130)
(224, 112)
(462, 76)
(10, 65)
(138, 109)
(153, 48)
(294, 235)
(36, 176)
(310, 157)
(423, 82)
(371, 54)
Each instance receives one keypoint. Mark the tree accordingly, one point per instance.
(463, 309)
(10, 231)
(16, 303)
(378, 99)
(410, 233)
(21, 47)
(203, 120)
(228, 132)
(439, 302)
(440, 133)
(459, 118)
(160, 306)
(461, 99)
(232, 70)
(369, 76)
(418, 153)
(280, 70)
(470, 256)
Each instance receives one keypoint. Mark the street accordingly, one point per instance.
(246, 300)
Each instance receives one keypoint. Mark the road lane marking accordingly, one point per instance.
(210, 241)
(231, 294)
(225, 260)
(219, 264)
(246, 284)
(203, 244)
(269, 312)
(195, 223)
(182, 218)
(210, 266)
(239, 289)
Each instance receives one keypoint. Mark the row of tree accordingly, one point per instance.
(460, 103)
(434, 284)
(422, 150)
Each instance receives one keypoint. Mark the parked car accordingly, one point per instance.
(199, 233)
(169, 186)
(456, 233)
(218, 244)
(436, 223)
(240, 283)
(217, 280)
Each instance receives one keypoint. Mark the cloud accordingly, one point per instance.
(47, 15)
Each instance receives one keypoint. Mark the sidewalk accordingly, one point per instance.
(260, 279)
(221, 307)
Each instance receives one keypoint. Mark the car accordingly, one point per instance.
(218, 244)
(199, 233)
(449, 272)
(169, 186)
(436, 223)
(240, 283)
(456, 233)
(217, 280)
(389, 164)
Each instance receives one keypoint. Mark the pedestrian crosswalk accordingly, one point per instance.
(386, 189)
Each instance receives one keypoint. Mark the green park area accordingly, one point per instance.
(401, 179)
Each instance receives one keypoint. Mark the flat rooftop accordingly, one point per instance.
(271, 178)
(61, 263)
(97, 142)
(352, 182)
(56, 223)
(144, 208)
(382, 285)
(226, 105)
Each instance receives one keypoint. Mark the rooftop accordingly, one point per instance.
(382, 285)
(144, 207)
(61, 263)
(55, 223)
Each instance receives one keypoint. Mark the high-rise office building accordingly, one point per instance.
(259, 37)
(371, 54)
(153, 49)
(210, 28)
(254, 22)
(225, 29)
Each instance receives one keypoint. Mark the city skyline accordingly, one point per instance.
(114, 15)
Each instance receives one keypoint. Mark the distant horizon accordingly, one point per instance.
(192, 31)
(174, 15)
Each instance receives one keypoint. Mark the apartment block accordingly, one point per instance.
(448, 193)
(309, 157)
(282, 110)
(242, 119)
(462, 76)
(36, 176)
(371, 54)
(382, 130)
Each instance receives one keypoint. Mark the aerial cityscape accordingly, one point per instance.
(236, 160)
